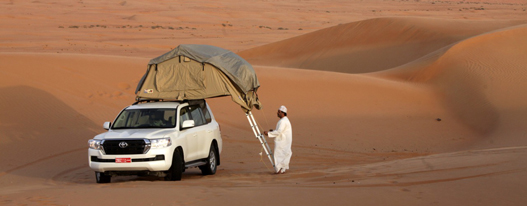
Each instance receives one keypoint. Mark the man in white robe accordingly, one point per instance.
(283, 138)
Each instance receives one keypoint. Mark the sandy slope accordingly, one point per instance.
(147, 28)
(365, 139)
(370, 45)
(335, 142)
(482, 78)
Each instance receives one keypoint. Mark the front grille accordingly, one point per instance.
(124, 147)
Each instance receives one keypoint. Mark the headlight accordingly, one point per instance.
(160, 143)
(94, 144)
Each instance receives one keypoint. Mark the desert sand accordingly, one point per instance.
(392, 102)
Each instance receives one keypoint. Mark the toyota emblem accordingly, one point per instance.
(123, 144)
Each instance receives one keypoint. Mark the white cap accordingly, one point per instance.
(283, 109)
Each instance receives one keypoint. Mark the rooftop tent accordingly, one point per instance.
(191, 72)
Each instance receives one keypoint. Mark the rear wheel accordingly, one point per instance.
(102, 178)
(212, 162)
(176, 170)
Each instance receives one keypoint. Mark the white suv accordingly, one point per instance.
(157, 138)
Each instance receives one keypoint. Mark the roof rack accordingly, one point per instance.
(146, 100)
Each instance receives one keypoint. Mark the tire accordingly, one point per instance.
(102, 178)
(176, 170)
(212, 162)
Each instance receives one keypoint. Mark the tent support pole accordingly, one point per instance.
(260, 137)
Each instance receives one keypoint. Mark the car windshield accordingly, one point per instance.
(146, 118)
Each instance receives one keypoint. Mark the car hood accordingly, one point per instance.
(135, 134)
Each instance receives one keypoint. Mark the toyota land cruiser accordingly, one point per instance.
(157, 138)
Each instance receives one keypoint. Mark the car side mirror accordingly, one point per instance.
(107, 125)
(187, 124)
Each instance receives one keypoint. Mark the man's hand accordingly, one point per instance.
(265, 132)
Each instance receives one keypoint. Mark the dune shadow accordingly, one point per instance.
(465, 98)
(40, 135)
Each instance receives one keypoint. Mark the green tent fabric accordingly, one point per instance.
(191, 72)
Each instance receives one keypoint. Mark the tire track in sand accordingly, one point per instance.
(40, 160)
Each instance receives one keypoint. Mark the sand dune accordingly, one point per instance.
(475, 79)
(369, 45)
(46, 101)
(482, 79)
(423, 108)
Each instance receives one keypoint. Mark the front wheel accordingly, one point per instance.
(102, 178)
(212, 162)
(176, 170)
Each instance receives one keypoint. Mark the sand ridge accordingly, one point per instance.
(370, 45)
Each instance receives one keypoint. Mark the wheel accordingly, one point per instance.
(102, 178)
(212, 162)
(176, 170)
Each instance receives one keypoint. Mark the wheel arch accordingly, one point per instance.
(180, 150)
(215, 144)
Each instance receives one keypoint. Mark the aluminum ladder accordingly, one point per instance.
(260, 137)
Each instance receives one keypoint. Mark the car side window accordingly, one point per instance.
(206, 112)
(197, 115)
(183, 115)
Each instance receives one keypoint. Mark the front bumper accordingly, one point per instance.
(154, 160)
